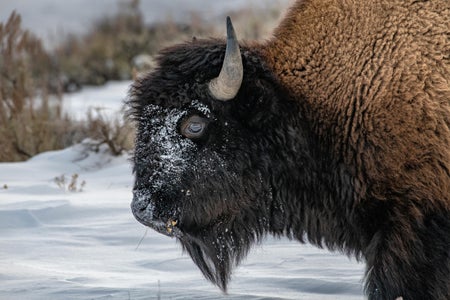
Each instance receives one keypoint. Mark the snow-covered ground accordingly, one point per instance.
(59, 244)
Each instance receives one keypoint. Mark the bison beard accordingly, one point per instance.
(218, 249)
(335, 132)
(219, 245)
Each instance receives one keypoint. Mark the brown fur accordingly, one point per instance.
(380, 82)
(373, 78)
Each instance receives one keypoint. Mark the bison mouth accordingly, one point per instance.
(146, 212)
(216, 248)
(168, 228)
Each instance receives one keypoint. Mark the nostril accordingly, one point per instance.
(141, 204)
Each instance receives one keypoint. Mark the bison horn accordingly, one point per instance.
(227, 84)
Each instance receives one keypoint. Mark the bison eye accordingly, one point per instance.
(194, 127)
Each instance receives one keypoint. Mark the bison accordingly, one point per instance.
(335, 131)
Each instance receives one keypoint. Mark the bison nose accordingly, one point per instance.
(142, 207)
(140, 204)
(154, 216)
(145, 208)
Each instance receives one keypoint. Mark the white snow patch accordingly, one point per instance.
(201, 108)
(108, 100)
(167, 141)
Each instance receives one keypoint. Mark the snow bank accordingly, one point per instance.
(107, 100)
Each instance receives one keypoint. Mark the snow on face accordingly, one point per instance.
(201, 108)
(169, 149)
(162, 155)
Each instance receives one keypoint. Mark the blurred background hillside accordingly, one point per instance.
(49, 48)
(49, 19)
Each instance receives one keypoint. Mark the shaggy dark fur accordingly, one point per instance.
(339, 136)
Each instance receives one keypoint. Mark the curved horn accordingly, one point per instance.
(227, 84)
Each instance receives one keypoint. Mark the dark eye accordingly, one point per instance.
(194, 127)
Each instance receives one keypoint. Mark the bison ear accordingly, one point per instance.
(226, 86)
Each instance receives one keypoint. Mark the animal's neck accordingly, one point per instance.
(307, 183)
(309, 55)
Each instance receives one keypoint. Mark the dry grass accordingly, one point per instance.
(31, 117)
(117, 134)
(30, 120)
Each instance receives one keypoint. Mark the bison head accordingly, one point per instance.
(210, 122)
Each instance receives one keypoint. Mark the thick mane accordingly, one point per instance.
(182, 73)
(177, 66)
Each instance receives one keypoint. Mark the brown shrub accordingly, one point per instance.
(117, 134)
(30, 120)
